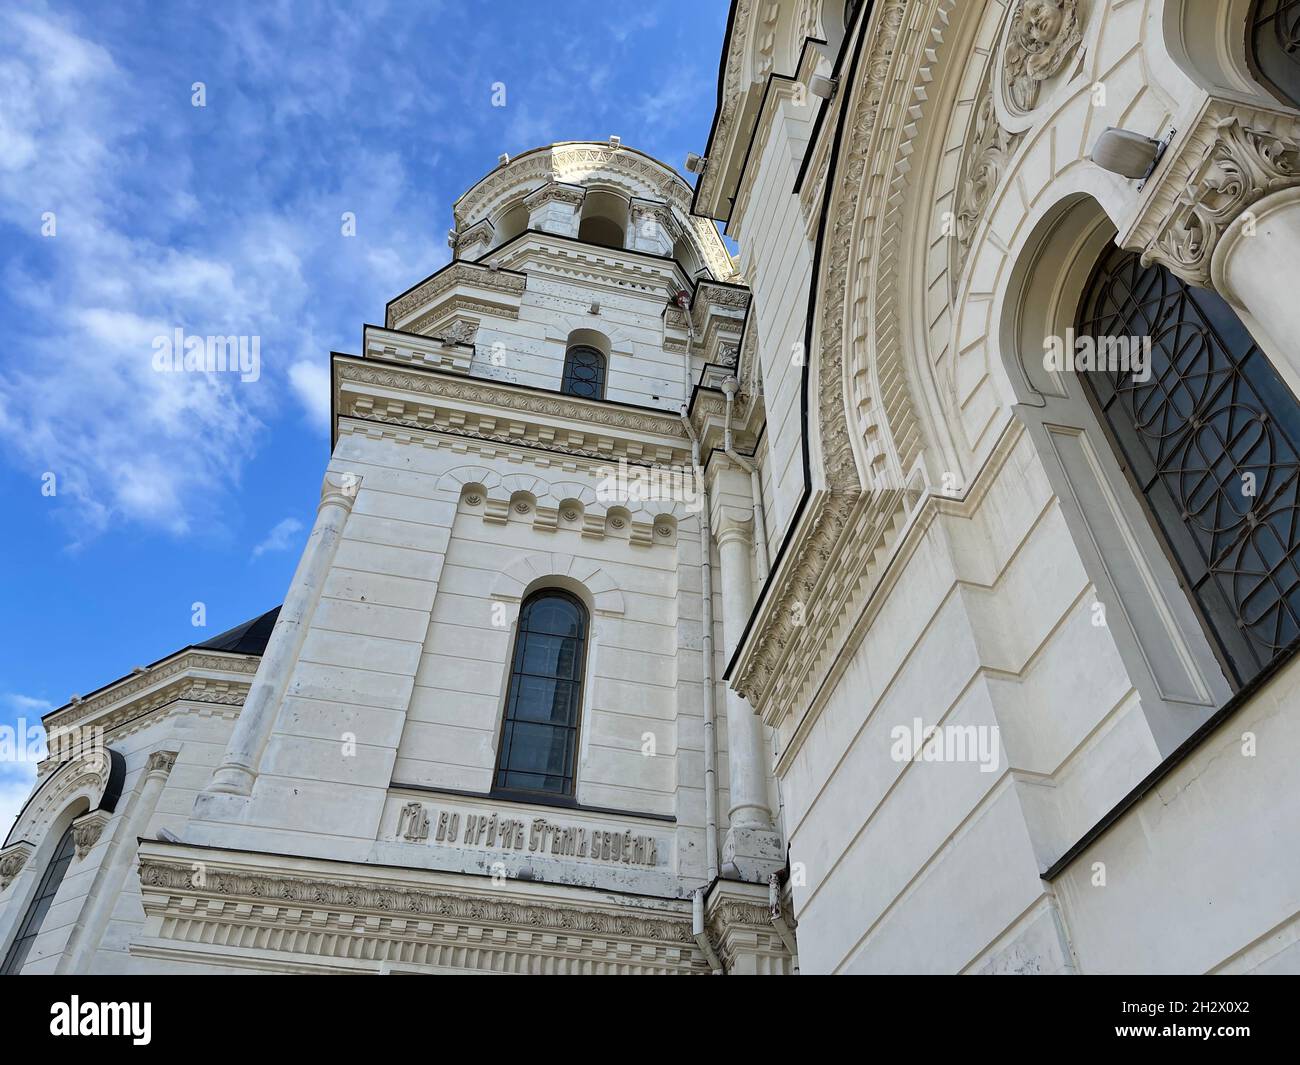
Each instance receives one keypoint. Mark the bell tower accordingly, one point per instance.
(502, 653)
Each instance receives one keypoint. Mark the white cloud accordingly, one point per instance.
(280, 538)
(25, 704)
(311, 384)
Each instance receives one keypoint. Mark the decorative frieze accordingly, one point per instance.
(329, 921)
(442, 403)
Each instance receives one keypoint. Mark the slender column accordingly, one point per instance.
(752, 845)
(103, 897)
(1254, 267)
(238, 768)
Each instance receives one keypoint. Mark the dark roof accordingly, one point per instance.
(247, 639)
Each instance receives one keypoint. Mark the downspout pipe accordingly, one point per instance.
(702, 934)
(779, 922)
(710, 695)
(730, 386)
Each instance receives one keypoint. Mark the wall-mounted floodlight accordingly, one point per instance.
(1131, 155)
(823, 87)
(503, 158)
(695, 163)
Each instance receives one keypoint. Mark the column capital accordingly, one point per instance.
(732, 524)
(340, 489)
(161, 762)
(555, 192)
(1232, 157)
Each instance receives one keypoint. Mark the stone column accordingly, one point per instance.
(1254, 267)
(106, 890)
(751, 845)
(238, 768)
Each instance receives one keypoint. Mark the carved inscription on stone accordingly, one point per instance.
(535, 835)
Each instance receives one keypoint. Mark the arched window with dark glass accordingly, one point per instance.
(1273, 47)
(584, 372)
(30, 926)
(539, 732)
(1209, 437)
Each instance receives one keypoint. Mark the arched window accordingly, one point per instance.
(1273, 47)
(837, 20)
(1209, 437)
(604, 218)
(539, 732)
(30, 926)
(584, 372)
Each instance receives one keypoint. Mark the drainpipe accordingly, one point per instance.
(702, 935)
(683, 301)
(779, 922)
(710, 707)
(730, 386)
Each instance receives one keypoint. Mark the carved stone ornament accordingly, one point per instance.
(12, 862)
(1240, 166)
(988, 147)
(459, 331)
(304, 893)
(87, 829)
(1042, 36)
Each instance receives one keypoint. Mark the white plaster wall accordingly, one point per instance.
(198, 733)
(776, 261)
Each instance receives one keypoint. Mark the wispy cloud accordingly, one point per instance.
(282, 536)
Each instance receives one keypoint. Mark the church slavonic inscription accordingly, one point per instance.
(534, 835)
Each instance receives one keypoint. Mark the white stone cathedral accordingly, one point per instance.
(917, 591)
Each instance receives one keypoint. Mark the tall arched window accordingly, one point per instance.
(1273, 47)
(584, 372)
(1209, 437)
(539, 732)
(30, 926)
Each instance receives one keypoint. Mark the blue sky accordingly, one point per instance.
(227, 219)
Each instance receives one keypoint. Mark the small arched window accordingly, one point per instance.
(584, 372)
(30, 926)
(539, 731)
(1273, 47)
(1209, 437)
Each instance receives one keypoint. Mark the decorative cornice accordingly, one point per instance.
(735, 86)
(394, 920)
(1231, 159)
(435, 353)
(479, 278)
(200, 689)
(594, 423)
